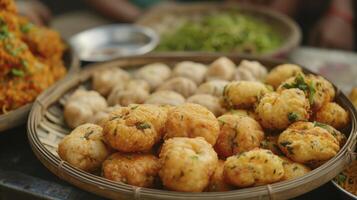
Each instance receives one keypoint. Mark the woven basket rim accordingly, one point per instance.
(62, 169)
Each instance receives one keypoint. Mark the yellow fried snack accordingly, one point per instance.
(187, 164)
(340, 137)
(308, 145)
(243, 94)
(293, 169)
(334, 115)
(192, 120)
(237, 135)
(136, 128)
(279, 110)
(317, 89)
(134, 169)
(252, 168)
(191, 70)
(84, 147)
(217, 182)
(281, 73)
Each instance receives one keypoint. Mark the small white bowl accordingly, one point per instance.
(113, 41)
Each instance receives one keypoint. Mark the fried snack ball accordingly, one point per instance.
(105, 80)
(214, 88)
(353, 96)
(221, 69)
(253, 168)
(293, 169)
(270, 142)
(250, 71)
(155, 74)
(281, 73)
(308, 145)
(192, 120)
(334, 115)
(243, 94)
(242, 112)
(279, 110)
(340, 137)
(212, 103)
(187, 164)
(136, 128)
(184, 86)
(134, 169)
(127, 97)
(217, 182)
(84, 147)
(318, 90)
(165, 97)
(237, 134)
(81, 106)
(191, 70)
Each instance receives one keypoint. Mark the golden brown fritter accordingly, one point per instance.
(243, 94)
(253, 168)
(238, 134)
(136, 128)
(334, 115)
(192, 120)
(293, 169)
(187, 164)
(279, 110)
(340, 137)
(308, 145)
(84, 147)
(134, 169)
(217, 182)
(281, 73)
(317, 89)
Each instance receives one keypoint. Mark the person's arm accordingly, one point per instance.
(119, 10)
(335, 28)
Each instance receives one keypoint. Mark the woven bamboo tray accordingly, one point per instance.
(167, 17)
(19, 116)
(46, 128)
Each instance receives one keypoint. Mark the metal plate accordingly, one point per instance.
(112, 41)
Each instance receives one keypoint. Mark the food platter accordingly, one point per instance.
(46, 128)
(19, 116)
(167, 17)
